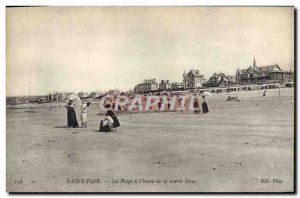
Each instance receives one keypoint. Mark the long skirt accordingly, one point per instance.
(72, 120)
(196, 107)
(204, 107)
(116, 121)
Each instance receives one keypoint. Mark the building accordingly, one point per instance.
(220, 79)
(149, 85)
(56, 96)
(164, 85)
(113, 92)
(232, 79)
(95, 94)
(263, 74)
(176, 86)
(217, 80)
(193, 79)
(83, 95)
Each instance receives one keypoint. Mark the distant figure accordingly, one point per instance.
(265, 91)
(88, 103)
(83, 115)
(72, 120)
(196, 106)
(204, 105)
(169, 102)
(181, 104)
(159, 104)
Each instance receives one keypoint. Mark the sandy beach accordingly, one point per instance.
(233, 148)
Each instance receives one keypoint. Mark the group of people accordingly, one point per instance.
(110, 122)
(197, 105)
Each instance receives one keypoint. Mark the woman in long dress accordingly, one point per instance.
(159, 104)
(72, 120)
(204, 105)
(196, 106)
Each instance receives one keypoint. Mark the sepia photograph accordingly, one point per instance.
(150, 99)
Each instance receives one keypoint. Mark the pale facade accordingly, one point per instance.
(149, 85)
(193, 79)
(165, 85)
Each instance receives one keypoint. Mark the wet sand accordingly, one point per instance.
(230, 149)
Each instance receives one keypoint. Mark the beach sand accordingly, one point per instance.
(233, 148)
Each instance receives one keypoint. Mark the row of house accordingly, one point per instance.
(166, 85)
(55, 96)
(195, 80)
(60, 96)
(191, 80)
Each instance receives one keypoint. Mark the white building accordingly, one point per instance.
(165, 85)
(193, 79)
(149, 85)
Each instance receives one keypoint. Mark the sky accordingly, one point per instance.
(73, 49)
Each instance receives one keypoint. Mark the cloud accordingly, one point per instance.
(99, 48)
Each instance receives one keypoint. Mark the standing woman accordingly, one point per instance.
(196, 106)
(169, 101)
(204, 105)
(159, 104)
(72, 120)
